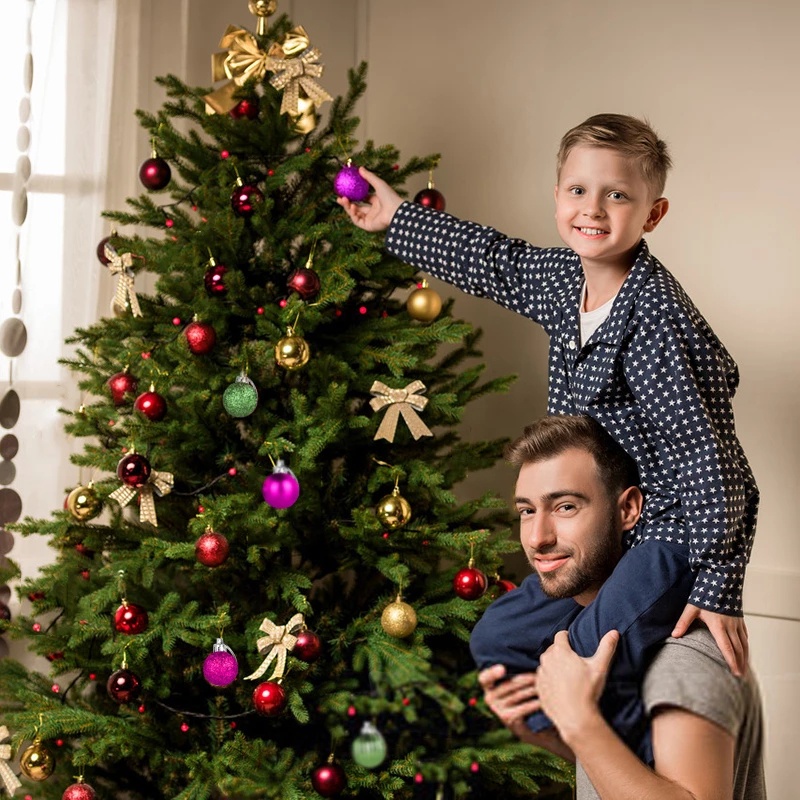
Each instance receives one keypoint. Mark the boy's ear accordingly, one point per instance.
(657, 213)
(630, 507)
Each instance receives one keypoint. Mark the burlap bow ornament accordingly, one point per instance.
(400, 401)
(9, 779)
(122, 267)
(279, 640)
(159, 483)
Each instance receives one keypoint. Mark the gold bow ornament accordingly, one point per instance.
(400, 401)
(122, 267)
(9, 779)
(279, 640)
(159, 483)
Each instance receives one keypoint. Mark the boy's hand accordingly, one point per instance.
(730, 634)
(512, 700)
(376, 212)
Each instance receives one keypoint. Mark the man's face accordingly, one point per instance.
(570, 527)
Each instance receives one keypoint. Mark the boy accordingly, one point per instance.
(628, 348)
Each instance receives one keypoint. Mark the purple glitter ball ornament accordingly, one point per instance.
(220, 667)
(280, 489)
(349, 183)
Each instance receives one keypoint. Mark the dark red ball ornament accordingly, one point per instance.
(269, 698)
(470, 583)
(247, 108)
(101, 250)
(134, 470)
(123, 686)
(305, 282)
(308, 646)
(328, 780)
(212, 549)
(130, 618)
(503, 585)
(246, 199)
(152, 405)
(201, 337)
(430, 198)
(121, 384)
(5, 612)
(79, 791)
(155, 173)
(214, 280)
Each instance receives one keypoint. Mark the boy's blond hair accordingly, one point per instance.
(631, 137)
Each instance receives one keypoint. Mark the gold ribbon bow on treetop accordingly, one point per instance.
(159, 483)
(295, 73)
(122, 267)
(280, 639)
(9, 779)
(400, 401)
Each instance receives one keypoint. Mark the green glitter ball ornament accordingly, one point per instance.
(369, 747)
(241, 397)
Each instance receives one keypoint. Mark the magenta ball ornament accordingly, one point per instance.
(201, 337)
(151, 405)
(281, 489)
(269, 698)
(307, 647)
(246, 109)
(430, 198)
(130, 619)
(349, 183)
(246, 199)
(470, 583)
(328, 780)
(220, 669)
(134, 470)
(155, 173)
(214, 280)
(123, 686)
(305, 282)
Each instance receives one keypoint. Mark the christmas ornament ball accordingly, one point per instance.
(307, 647)
(430, 198)
(247, 109)
(305, 282)
(328, 780)
(424, 304)
(201, 337)
(151, 405)
(470, 583)
(292, 352)
(101, 250)
(246, 199)
(155, 173)
(349, 183)
(369, 747)
(83, 503)
(123, 686)
(240, 399)
(211, 549)
(280, 489)
(394, 511)
(503, 585)
(214, 280)
(5, 612)
(269, 698)
(399, 619)
(121, 384)
(134, 470)
(37, 762)
(79, 791)
(220, 669)
(130, 619)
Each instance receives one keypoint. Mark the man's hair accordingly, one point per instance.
(550, 436)
(631, 137)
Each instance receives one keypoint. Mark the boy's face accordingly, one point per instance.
(604, 206)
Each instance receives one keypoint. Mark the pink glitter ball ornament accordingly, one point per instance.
(220, 667)
(281, 489)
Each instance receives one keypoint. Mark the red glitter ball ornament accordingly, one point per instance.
(211, 549)
(120, 384)
(305, 282)
(201, 337)
(130, 618)
(79, 791)
(328, 780)
(247, 109)
(470, 583)
(430, 198)
(155, 173)
(246, 199)
(123, 686)
(269, 698)
(308, 646)
(134, 470)
(152, 405)
(214, 280)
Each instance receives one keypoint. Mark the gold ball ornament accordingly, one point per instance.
(399, 619)
(117, 309)
(292, 352)
(394, 510)
(262, 8)
(83, 503)
(424, 303)
(37, 762)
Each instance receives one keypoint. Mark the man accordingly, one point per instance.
(576, 495)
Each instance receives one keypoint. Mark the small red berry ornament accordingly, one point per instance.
(155, 173)
(79, 791)
(121, 384)
(123, 686)
(269, 698)
(247, 109)
(304, 281)
(470, 583)
(201, 337)
(134, 470)
(211, 549)
(214, 279)
(246, 199)
(130, 619)
(151, 405)
(307, 647)
(329, 779)
(349, 183)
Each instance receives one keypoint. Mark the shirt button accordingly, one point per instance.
(571, 344)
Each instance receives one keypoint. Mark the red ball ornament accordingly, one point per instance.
(246, 199)
(201, 337)
(123, 686)
(134, 470)
(308, 646)
(101, 250)
(214, 280)
(211, 549)
(5, 612)
(155, 173)
(130, 618)
(121, 384)
(247, 108)
(504, 585)
(470, 583)
(305, 282)
(328, 780)
(430, 198)
(269, 698)
(79, 791)
(152, 405)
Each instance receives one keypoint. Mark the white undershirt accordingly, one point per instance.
(592, 320)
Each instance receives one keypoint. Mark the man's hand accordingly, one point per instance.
(730, 634)
(511, 700)
(376, 212)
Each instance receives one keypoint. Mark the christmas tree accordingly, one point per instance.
(266, 587)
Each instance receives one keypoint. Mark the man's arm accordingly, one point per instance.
(693, 756)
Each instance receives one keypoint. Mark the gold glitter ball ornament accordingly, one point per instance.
(399, 619)
(424, 303)
(83, 503)
(37, 762)
(394, 510)
(292, 352)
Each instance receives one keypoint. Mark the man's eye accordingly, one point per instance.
(525, 512)
(566, 507)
